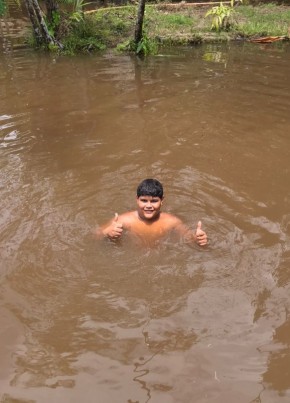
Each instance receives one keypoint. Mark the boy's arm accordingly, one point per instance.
(198, 236)
(112, 230)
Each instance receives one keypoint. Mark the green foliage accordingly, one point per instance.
(97, 31)
(2, 7)
(221, 16)
(53, 48)
(83, 36)
(127, 46)
(77, 14)
(73, 45)
(54, 24)
(108, 27)
(146, 46)
(63, 21)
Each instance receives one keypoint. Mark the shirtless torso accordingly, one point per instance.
(150, 231)
(148, 224)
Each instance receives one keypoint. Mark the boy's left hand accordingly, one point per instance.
(201, 237)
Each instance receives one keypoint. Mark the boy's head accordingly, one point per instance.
(150, 187)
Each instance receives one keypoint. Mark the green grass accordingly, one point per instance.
(263, 20)
(175, 20)
(165, 25)
(110, 27)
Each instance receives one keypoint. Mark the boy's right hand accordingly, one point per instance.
(115, 229)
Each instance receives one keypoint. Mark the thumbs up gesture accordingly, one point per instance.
(200, 235)
(114, 229)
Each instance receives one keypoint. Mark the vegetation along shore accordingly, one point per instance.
(72, 26)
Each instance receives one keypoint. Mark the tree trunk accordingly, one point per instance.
(139, 23)
(34, 22)
(39, 26)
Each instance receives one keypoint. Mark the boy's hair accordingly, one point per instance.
(150, 187)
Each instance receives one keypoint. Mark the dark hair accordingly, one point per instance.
(150, 187)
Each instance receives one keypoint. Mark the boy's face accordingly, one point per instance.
(149, 207)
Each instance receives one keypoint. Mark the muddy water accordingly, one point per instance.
(89, 321)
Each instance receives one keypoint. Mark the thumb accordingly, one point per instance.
(198, 228)
(116, 217)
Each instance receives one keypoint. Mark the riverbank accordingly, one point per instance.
(175, 24)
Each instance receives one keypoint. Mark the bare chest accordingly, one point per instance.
(149, 232)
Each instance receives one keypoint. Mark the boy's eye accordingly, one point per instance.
(151, 201)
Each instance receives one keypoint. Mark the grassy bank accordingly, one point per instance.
(173, 25)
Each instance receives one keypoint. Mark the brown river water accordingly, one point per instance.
(93, 322)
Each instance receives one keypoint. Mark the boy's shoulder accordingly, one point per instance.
(128, 217)
(170, 219)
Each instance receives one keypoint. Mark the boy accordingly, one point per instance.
(148, 223)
